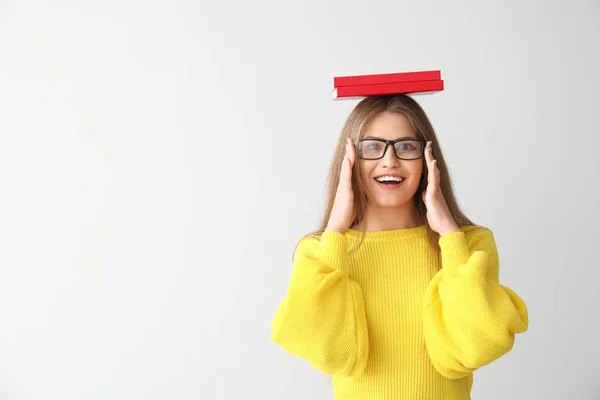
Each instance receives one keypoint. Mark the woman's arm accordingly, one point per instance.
(470, 319)
(322, 317)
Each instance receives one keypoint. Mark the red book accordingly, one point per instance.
(388, 88)
(376, 79)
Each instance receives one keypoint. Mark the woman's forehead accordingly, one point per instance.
(390, 126)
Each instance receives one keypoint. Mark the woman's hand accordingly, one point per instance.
(438, 214)
(342, 212)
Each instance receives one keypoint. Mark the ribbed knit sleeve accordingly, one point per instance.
(470, 319)
(322, 317)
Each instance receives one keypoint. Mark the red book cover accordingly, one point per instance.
(389, 88)
(397, 77)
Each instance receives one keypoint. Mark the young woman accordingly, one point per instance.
(397, 295)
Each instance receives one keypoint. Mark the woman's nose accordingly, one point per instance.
(389, 158)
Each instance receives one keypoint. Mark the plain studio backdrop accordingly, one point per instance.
(160, 160)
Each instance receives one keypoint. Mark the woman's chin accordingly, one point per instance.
(391, 201)
(390, 198)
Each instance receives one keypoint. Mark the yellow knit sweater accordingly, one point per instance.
(396, 319)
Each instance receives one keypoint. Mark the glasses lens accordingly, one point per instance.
(371, 149)
(409, 149)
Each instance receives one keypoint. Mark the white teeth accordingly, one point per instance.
(389, 178)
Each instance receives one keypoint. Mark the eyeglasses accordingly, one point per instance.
(404, 149)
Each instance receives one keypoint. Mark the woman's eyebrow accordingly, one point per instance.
(402, 138)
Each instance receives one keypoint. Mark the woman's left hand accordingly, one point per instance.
(438, 215)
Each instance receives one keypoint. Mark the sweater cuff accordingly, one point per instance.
(333, 251)
(455, 251)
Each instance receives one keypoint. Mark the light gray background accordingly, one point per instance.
(159, 161)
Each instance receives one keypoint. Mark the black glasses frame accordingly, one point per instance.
(393, 143)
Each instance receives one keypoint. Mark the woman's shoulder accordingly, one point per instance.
(477, 233)
(308, 244)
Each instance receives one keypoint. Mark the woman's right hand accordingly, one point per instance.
(342, 212)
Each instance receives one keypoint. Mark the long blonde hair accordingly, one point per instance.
(355, 126)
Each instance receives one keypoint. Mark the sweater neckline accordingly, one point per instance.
(389, 235)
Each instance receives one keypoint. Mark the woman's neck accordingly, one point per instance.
(379, 218)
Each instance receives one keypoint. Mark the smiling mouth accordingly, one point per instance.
(389, 180)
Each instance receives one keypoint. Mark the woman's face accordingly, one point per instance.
(390, 126)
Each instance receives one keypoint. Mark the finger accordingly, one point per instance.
(429, 163)
(435, 174)
(428, 154)
(346, 164)
(428, 158)
(344, 160)
(350, 151)
(431, 159)
(347, 171)
(432, 175)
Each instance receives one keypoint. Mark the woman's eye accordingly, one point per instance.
(405, 146)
